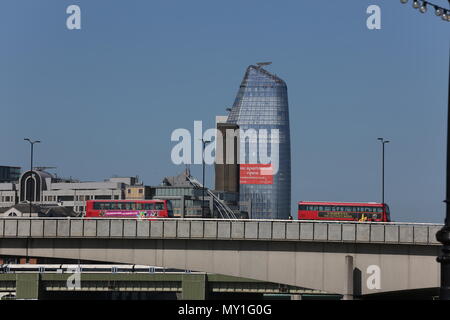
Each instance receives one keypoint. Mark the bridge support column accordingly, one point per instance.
(28, 286)
(348, 278)
(194, 287)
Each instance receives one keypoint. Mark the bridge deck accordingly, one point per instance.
(216, 229)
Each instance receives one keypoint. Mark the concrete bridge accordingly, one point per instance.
(348, 258)
(175, 285)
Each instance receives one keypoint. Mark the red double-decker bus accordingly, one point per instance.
(129, 209)
(350, 211)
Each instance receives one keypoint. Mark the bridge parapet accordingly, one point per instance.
(216, 229)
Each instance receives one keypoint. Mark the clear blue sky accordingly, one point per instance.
(105, 99)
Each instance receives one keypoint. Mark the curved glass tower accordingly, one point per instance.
(262, 103)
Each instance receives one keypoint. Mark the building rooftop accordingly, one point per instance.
(180, 180)
(41, 210)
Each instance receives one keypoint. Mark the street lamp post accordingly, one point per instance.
(383, 142)
(204, 142)
(443, 235)
(31, 163)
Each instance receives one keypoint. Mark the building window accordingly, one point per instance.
(103, 197)
(65, 198)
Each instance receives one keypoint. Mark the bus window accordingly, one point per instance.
(113, 206)
(169, 209)
(159, 206)
(149, 206)
(139, 206)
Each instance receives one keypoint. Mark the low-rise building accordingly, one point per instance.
(9, 195)
(187, 200)
(138, 192)
(43, 188)
(34, 210)
(191, 201)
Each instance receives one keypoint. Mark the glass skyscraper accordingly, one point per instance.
(262, 103)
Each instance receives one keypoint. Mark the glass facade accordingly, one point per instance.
(192, 203)
(9, 174)
(262, 103)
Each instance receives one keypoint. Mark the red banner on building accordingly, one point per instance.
(256, 174)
